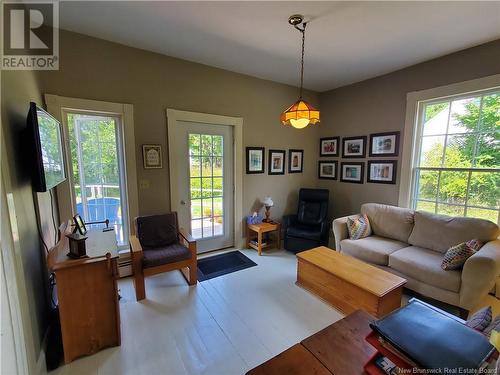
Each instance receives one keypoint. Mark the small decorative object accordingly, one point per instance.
(329, 146)
(295, 161)
(76, 245)
(151, 155)
(384, 144)
(254, 219)
(268, 203)
(352, 172)
(353, 147)
(276, 162)
(300, 114)
(79, 225)
(382, 171)
(327, 170)
(255, 160)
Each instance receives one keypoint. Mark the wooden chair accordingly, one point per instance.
(160, 246)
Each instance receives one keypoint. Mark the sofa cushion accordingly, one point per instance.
(164, 255)
(389, 221)
(373, 249)
(425, 265)
(440, 232)
(311, 232)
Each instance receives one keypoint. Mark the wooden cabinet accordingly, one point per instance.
(87, 293)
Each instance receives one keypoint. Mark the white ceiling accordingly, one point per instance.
(346, 42)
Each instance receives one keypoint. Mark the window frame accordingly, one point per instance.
(415, 106)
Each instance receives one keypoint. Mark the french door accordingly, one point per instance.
(98, 179)
(205, 183)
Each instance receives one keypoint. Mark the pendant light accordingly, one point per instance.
(300, 114)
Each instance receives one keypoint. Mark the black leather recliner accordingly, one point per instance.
(310, 227)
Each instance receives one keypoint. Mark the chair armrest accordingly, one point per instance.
(135, 245)
(340, 231)
(479, 274)
(288, 220)
(184, 235)
(189, 241)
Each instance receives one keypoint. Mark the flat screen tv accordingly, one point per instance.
(45, 131)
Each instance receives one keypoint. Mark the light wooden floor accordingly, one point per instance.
(226, 325)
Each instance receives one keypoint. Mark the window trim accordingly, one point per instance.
(415, 103)
(57, 106)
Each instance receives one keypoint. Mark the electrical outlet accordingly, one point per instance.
(144, 184)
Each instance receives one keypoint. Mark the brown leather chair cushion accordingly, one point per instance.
(164, 255)
(156, 231)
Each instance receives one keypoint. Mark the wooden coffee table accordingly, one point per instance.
(348, 283)
(339, 349)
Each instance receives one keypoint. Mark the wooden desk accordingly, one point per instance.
(348, 283)
(338, 349)
(87, 294)
(260, 229)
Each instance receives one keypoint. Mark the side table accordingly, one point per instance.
(260, 229)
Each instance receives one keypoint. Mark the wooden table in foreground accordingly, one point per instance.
(338, 349)
(347, 283)
(260, 229)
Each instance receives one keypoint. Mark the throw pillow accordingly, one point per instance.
(455, 256)
(480, 319)
(493, 326)
(359, 227)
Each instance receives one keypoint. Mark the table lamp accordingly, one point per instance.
(268, 203)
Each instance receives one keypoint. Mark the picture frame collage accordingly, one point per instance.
(380, 171)
(276, 161)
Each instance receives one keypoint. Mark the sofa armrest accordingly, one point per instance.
(479, 274)
(340, 231)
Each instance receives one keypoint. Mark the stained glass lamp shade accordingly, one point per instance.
(300, 114)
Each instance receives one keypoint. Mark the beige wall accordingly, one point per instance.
(18, 89)
(379, 105)
(96, 69)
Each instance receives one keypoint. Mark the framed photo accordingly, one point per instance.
(276, 162)
(255, 160)
(354, 147)
(79, 225)
(382, 171)
(295, 161)
(327, 170)
(352, 172)
(329, 146)
(151, 156)
(384, 144)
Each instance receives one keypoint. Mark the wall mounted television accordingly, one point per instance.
(45, 133)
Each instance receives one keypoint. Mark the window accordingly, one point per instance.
(456, 166)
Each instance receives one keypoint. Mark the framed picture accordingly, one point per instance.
(255, 160)
(354, 147)
(295, 161)
(79, 225)
(382, 171)
(276, 162)
(151, 156)
(384, 144)
(329, 146)
(327, 170)
(352, 172)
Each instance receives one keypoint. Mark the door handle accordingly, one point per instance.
(183, 202)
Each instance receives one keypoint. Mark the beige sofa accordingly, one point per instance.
(412, 244)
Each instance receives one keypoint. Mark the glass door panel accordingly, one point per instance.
(206, 185)
(97, 171)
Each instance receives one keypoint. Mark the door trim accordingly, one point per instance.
(173, 116)
(57, 105)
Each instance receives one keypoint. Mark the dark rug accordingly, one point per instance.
(222, 264)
